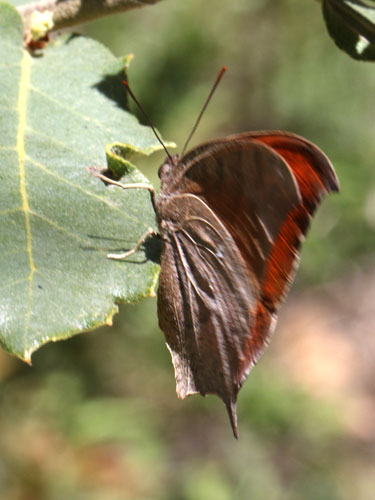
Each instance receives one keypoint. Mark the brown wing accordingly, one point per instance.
(206, 301)
(260, 180)
(264, 187)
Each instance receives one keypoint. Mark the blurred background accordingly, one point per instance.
(96, 417)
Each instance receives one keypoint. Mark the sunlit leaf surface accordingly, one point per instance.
(59, 109)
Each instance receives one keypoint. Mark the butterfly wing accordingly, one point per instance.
(244, 187)
(209, 287)
(316, 178)
(205, 305)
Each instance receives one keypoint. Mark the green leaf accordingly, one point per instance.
(57, 222)
(351, 24)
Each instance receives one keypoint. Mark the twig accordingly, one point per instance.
(72, 12)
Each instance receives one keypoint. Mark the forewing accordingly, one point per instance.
(234, 169)
(206, 301)
(250, 188)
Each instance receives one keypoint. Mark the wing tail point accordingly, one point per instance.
(232, 412)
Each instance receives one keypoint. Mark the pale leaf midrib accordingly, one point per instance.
(22, 123)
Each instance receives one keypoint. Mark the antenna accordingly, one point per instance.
(147, 117)
(219, 77)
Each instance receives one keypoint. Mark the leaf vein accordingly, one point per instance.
(14, 283)
(58, 143)
(64, 230)
(73, 111)
(76, 186)
(22, 123)
(10, 211)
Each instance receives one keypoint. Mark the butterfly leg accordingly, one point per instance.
(149, 232)
(139, 185)
(124, 255)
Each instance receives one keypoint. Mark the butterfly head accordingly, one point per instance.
(168, 166)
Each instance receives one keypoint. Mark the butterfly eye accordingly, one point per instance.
(164, 170)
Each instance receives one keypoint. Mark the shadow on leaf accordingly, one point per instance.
(113, 88)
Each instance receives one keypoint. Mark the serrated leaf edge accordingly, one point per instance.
(107, 320)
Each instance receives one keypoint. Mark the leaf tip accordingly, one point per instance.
(27, 358)
(127, 60)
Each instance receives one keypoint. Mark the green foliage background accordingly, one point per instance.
(96, 417)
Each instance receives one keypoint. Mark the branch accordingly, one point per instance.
(72, 12)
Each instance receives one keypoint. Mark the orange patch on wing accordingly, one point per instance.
(307, 164)
(314, 180)
(257, 341)
(280, 263)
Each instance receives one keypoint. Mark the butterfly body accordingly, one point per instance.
(232, 214)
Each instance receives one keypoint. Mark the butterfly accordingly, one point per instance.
(232, 214)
